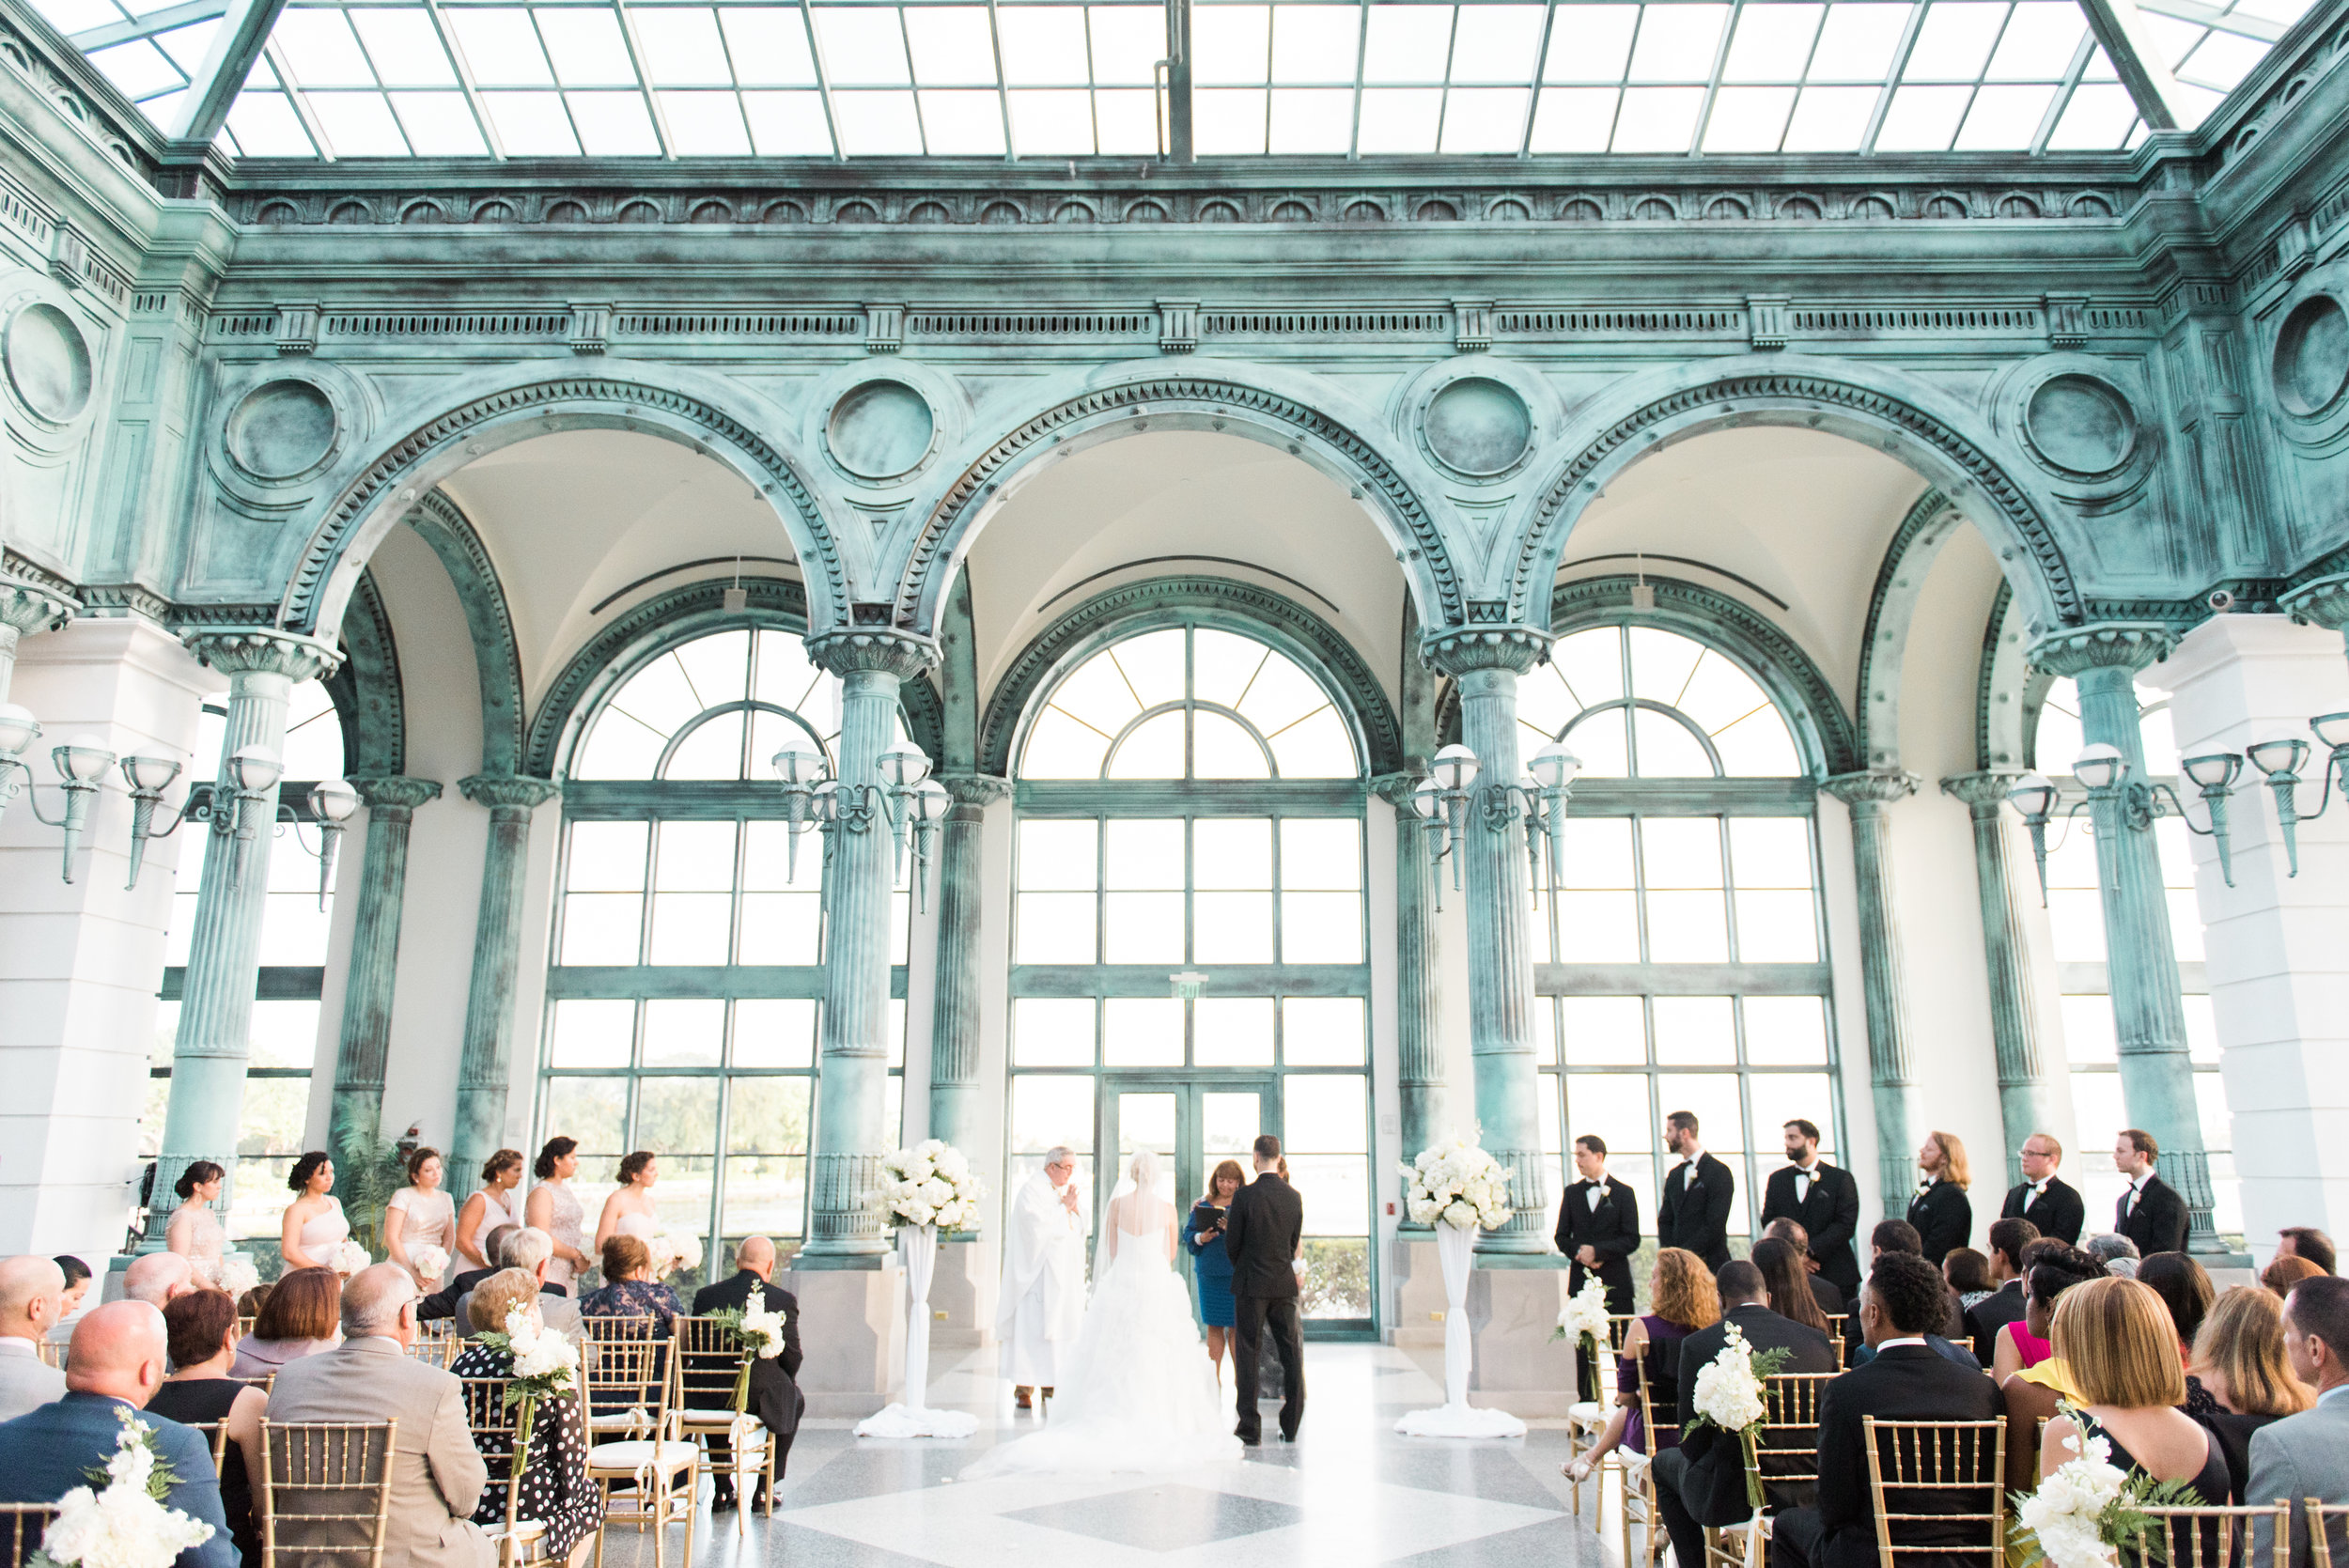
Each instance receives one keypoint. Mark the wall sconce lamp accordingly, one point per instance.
(2102, 770)
(907, 797)
(254, 774)
(2281, 761)
(1538, 798)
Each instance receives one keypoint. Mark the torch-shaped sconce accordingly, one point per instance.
(332, 803)
(2102, 770)
(801, 769)
(147, 776)
(1538, 798)
(1442, 801)
(2281, 761)
(927, 808)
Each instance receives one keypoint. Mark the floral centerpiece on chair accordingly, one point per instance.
(760, 1332)
(119, 1519)
(1729, 1394)
(2088, 1507)
(1583, 1318)
(546, 1366)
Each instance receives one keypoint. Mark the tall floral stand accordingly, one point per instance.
(917, 1253)
(1457, 1416)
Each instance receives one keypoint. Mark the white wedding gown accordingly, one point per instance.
(1136, 1392)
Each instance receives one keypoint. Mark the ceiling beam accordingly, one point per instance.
(146, 26)
(244, 29)
(2137, 58)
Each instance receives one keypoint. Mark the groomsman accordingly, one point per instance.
(2046, 1200)
(2150, 1213)
(1694, 1214)
(1598, 1226)
(1823, 1200)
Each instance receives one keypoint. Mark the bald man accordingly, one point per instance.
(116, 1359)
(775, 1397)
(156, 1277)
(32, 1293)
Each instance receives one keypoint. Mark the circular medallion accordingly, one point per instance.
(1478, 426)
(881, 431)
(2081, 425)
(281, 429)
(48, 363)
(2312, 355)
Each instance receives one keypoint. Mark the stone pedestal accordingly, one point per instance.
(852, 1336)
(962, 1296)
(1512, 1312)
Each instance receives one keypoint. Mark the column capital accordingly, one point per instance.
(2321, 601)
(28, 607)
(512, 793)
(1877, 788)
(975, 790)
(235, 651)
(2074, 650)
(903, 653)
(1458, 650)
(1397, 789)
(399, 795)
(1984, 791)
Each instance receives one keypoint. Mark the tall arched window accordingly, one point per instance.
(689, 939)
(1190, 804)
(1682, 966)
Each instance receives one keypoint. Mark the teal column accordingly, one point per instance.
(853, 1040)
(954, 1000)
(1485, 663)
(207, 1107)
(2141, 959)
(1883, 981)
(1419, 1070)
(25, 609)
(2002, 879)
(489, 1043)
(367, 1034)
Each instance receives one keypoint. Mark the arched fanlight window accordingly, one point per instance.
(1642, 701)
(1190, 703)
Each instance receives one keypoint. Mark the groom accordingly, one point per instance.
(1267, 1218)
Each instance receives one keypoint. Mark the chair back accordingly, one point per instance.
(1790, 1427)
(21, 1525)
(626, 1378)
(1659, 1370)
(216, 1438)
(2327, 1527)
(709, 1356)
(2210, 1537)
(52, 1353)
(326, 1493)
(1939, 1489)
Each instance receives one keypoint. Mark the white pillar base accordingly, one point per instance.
(851, 1337)
(1512, 1314)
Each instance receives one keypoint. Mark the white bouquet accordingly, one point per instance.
(2089, 1507)
(238, 1275)
(1583, 1318)
(761, 1333)
(675, 1252)
(429, 1262)
(124, 1525)
(1459, 1185)
(1729, 1395)
(930, 1184)
(349, 1259)
(546, 1366)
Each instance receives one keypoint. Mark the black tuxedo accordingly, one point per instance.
(1702, 1482)
(1694, 1215)
(1611, 1230)
(1907, 1383)
(1994, 1312)
(1829, 1212)
(2059, 1211)
(1944, 1217)
(443, 1302)
(2160, 1220)
(775, 1397)
(1266, 1226)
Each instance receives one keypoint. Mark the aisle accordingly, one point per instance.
(1349, 1493)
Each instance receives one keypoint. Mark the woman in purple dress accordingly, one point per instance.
(1684, 1300)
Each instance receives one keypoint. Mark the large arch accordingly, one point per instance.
(370, 705)
(713, 420)
(1924, 427)
(497, 652)
(1279, 407)
(1891, 608)
(1259, 612)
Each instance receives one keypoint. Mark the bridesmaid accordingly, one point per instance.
(629, 1211)
(194, 1231)
(419, 1215)
(1210, 1265)
(554, 1208)
(492, 1203)
(313, 1226)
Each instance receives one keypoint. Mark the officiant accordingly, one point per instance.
(1043, 1297)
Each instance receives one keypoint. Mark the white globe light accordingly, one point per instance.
(1455, 769)
(85, 759)
(333, 800)
(18, 729)
(1554, 766)
(150, 774)
(2099, 765)
(2034, 794)
(797, 764)
(903, 765)
(255, 770)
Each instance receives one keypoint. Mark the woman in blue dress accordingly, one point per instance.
(1209, 1263)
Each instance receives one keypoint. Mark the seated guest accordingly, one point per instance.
(631, 1290)
(116, 1361)
(556, 1488)
(2115, 1339)
(2286, 1271)
(249, 1305)
(202, 1330)
(1968, 1272)
(78, 1281)
(1824, 1291)
(297, 1320)
(1906, 1380)
(1985, 1316)
(31, 1293)
(532, 1251)
(2118, 1253)
(157, 1277)
(2239, 1357)
(2306, 1241)
(437, 1474)
(1702, 1482)
(1685, 1301)
(2031, 1381)
(2185, 1289)
(1788, 1287)
(1899, 1235)
(442, 1303)
(775, 1397)
(2305, 1456)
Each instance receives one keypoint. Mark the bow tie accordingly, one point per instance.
(1924, 1187)
(2038, 1190)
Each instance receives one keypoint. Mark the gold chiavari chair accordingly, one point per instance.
(52, 1353)
(1587, 1418)
(1944, 1473)
(2210, 1537)
(2328, 1526)
(494, 1424)
(18, 1521)
(631, 1430)
(1837, 1324)
(326, 1493)
(706, 1358)
(1790, 1454)
(1638, 1470)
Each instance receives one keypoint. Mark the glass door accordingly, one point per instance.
(1191, 1126)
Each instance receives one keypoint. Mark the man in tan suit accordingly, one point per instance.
(437, 1475)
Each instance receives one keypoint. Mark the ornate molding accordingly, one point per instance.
(1981, 791)
(906, 655)
(1634, 429)
(1397, 789)
(369, 702)
(1195, 393)
(326, 546)
(396, 798)
(242, 650)
(1456, 650)
(509, 794)
(2322, 601)
(29, 607)
(975, 790)
(1875, 788)
(2103, 645)
(1213, 600)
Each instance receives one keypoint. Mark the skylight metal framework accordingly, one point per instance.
(1055, 78)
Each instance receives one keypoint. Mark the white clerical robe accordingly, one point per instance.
(1043, 1295)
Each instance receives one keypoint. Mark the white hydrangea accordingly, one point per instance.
(1728, 1393)
(541, 1354)
(930, 1184)
(1585, 1311)
(349, 1258)
(761, 1330)
(122, 1527)
(1457, 1184)
(2065, 1514)
(429, 1262)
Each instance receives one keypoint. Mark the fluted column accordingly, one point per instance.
(1421, 1073)
(25, 609)
(2140, 958)
(1883, 979)
(207, 1105)
(2002, 879)
(853, 1040)
(1486, 664)
(367, 1034)
(489, 1043)
(955, 1005)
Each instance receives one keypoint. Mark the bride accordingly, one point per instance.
(1137, 1393)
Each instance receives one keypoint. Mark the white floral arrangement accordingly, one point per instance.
(429, 1262)
(238, 1275)
(1728, 1394)
(1583, 1318)
(124, 1524)
(1459, 1185)
(930, 1184)
(675, 1252)
(349, 1258)
(2088, 1507)
(760, 1332)
(546, 1366)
